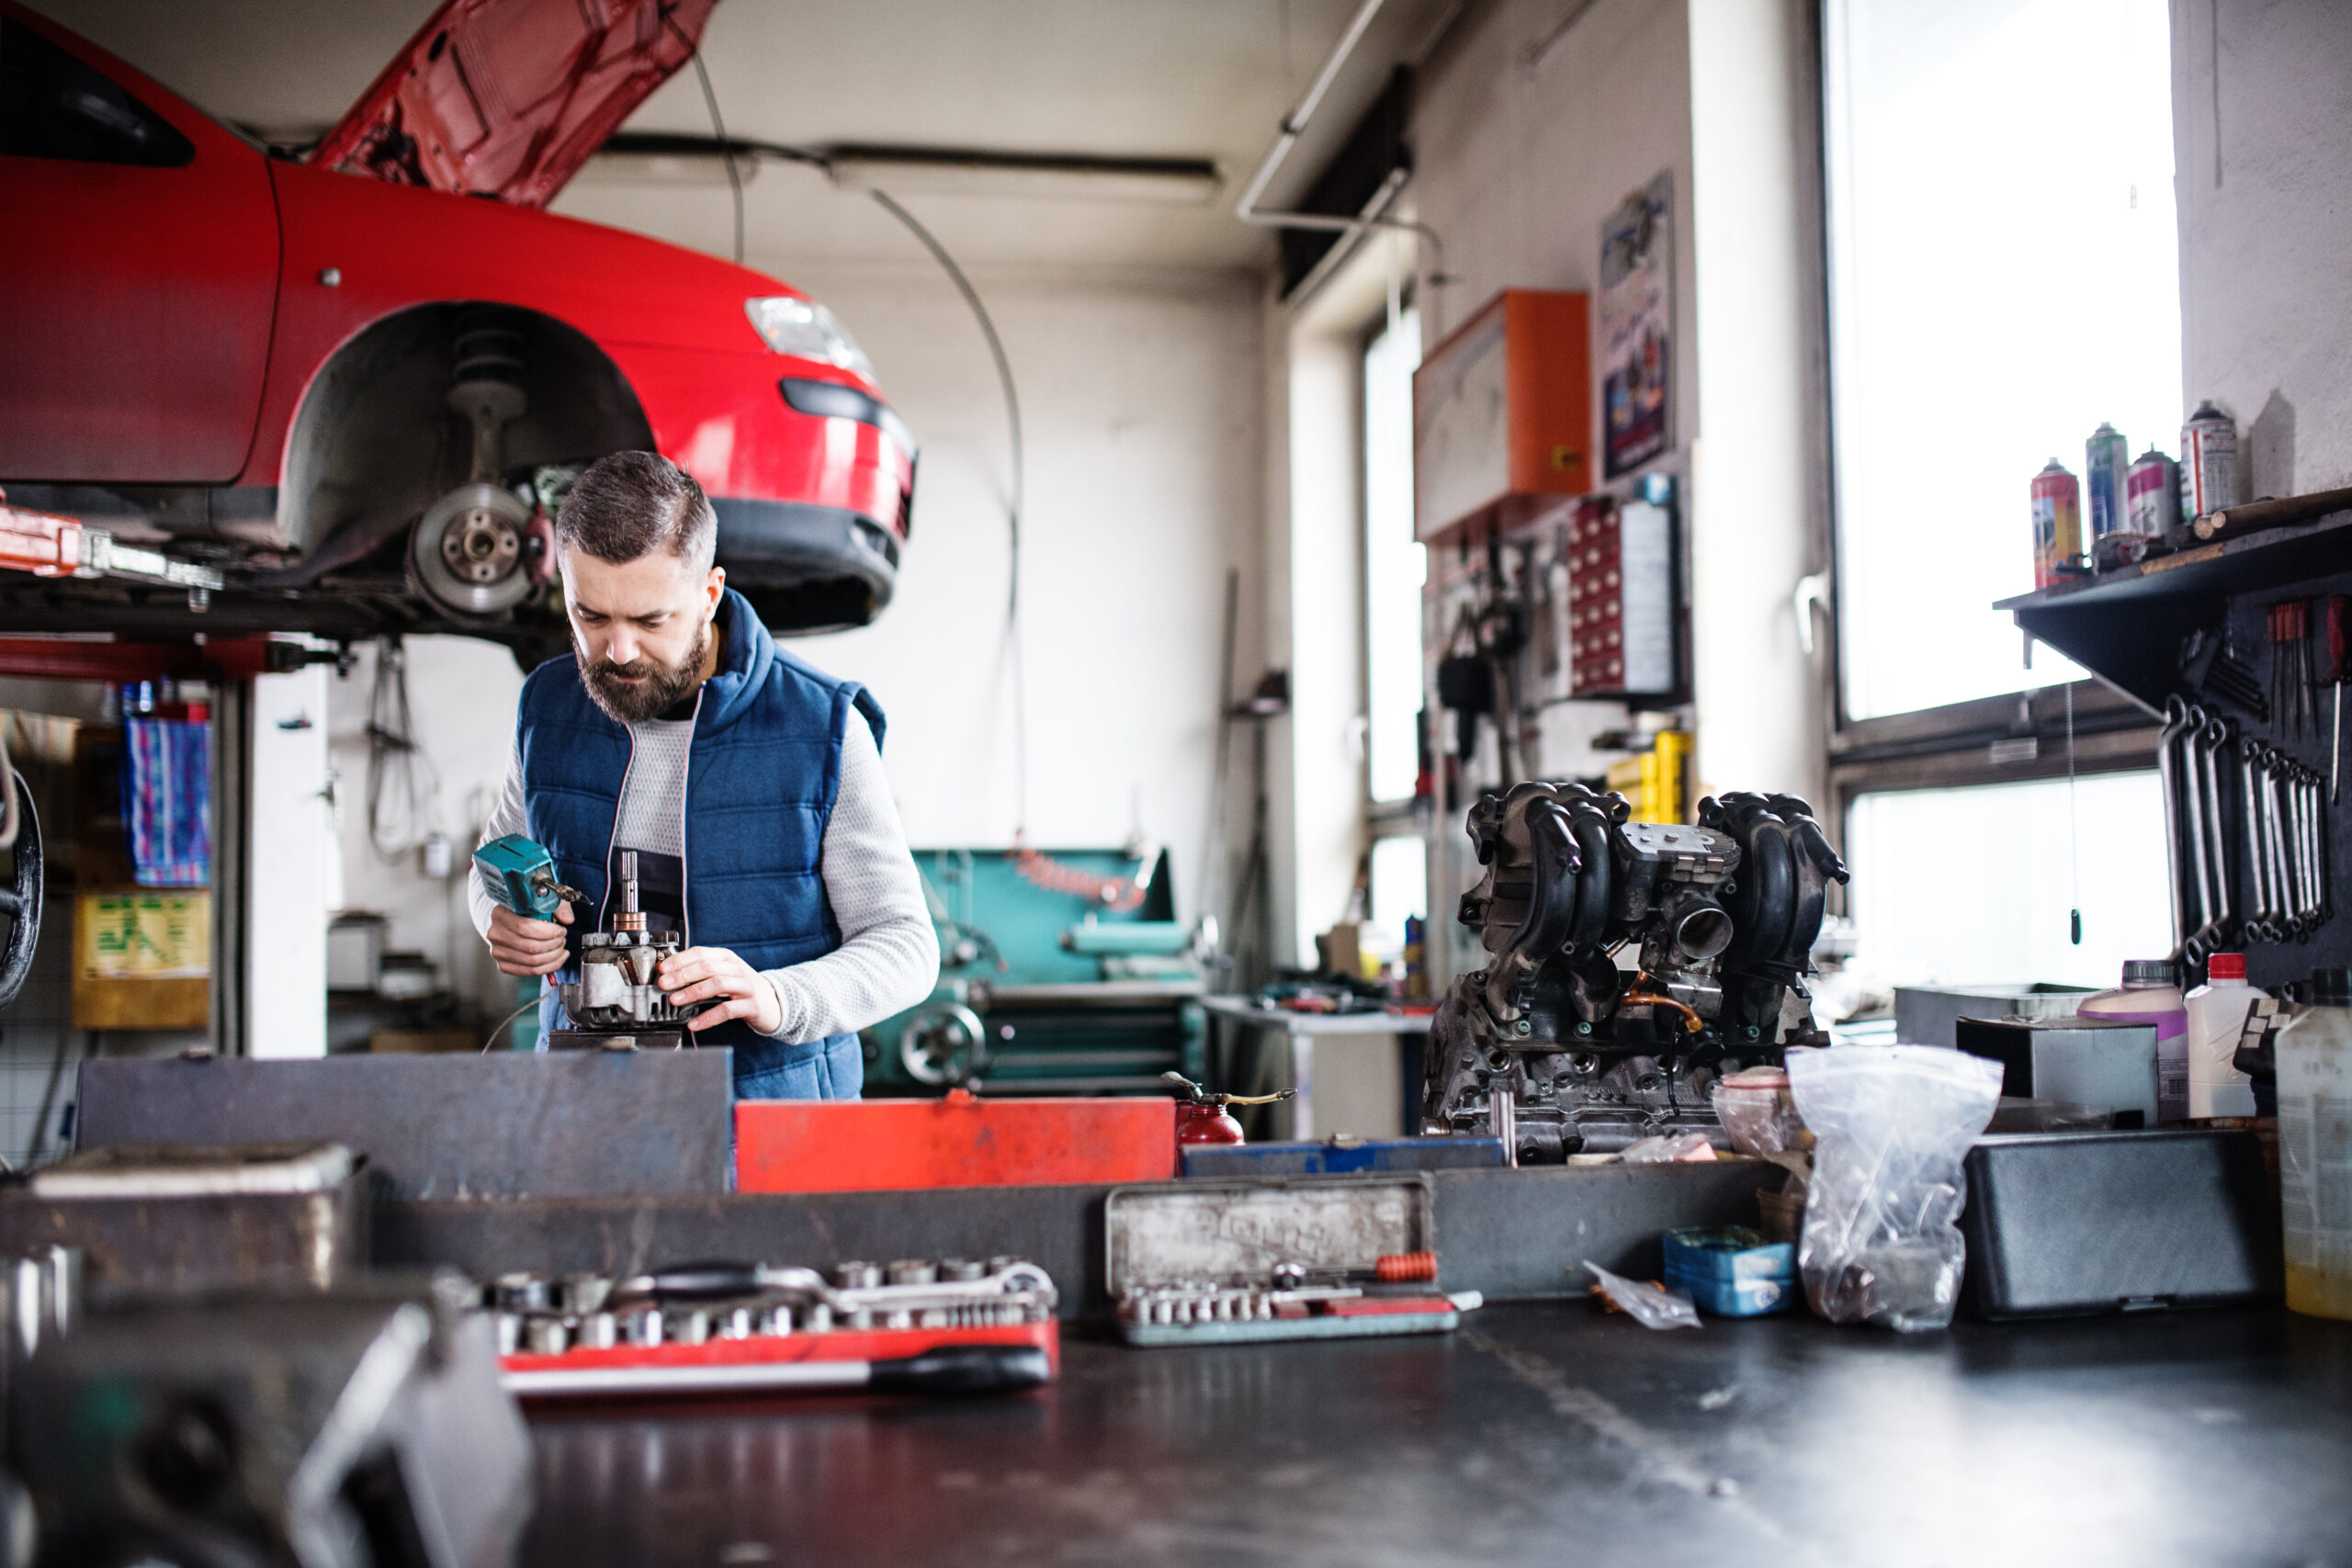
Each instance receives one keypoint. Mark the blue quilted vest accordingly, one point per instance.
(762, 775)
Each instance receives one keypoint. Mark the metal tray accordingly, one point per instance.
(1233, 1232)
(1197, 1237)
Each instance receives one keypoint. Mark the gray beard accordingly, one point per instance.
(669, 685)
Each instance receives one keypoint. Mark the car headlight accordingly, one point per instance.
(805, 329)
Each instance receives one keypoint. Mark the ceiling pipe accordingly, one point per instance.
(1294, 125)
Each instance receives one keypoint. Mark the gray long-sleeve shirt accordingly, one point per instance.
(888, 959)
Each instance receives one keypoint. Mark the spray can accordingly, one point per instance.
(2208, 463)
(2106, 458)
(2057, 523)
(2151, 494)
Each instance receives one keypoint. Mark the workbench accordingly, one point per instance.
(1540, 1433)
(1246, 1015)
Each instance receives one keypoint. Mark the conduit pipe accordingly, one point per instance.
(1294, 125)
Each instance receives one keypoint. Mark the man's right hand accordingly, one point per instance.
(525, 946)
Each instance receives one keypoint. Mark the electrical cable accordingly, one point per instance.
(718, 127)
(2073, 830)
(1017, 500)
(402, 783)
(500, 1027)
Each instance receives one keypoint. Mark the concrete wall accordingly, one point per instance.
(1527, 135)
(2262, 139)
(1140, 404)
(1758, 453)
(1525, 138)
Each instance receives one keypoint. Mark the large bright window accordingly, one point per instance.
(1965, 886)
(1394, 566)
(2004, 276)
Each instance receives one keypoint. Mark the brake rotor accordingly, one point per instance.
(466, 553)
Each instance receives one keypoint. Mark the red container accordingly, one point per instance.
(2057, 524)
(871, 1146)
(1205, 1124)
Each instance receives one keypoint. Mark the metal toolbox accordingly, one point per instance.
(2073, 1224)
(1208, 1262)
(195, 1217)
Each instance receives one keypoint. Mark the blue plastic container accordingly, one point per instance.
(1735, 1298)
(1732, 1271)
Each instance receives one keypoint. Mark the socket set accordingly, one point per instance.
(1202, 1262)
(1294, 1304)
(958, 1326)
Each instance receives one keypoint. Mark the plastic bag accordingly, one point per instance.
(1754, 1108)
(1668, 1148)
(1649, 1305)
(1881, 1243)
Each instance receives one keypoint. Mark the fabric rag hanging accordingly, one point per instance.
(171, 801)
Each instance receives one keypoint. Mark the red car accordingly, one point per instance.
(358, 385)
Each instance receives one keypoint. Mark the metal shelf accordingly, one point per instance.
(2127, 627)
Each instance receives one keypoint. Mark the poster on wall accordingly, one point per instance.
(1637, 328)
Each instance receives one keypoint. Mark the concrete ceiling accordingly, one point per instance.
(1171, 78)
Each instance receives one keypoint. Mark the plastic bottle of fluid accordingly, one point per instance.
(2315, 1147)
(2148, 994)
(2217, 1013)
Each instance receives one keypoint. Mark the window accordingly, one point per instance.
(2003, 277)
(1966, 886)
(1401, 890)
(2002, 263)
(52, 105)
(1394, 566)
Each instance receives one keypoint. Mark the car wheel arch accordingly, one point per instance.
(373, 443)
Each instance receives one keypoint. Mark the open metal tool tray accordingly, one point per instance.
(200, 1217)
(507, 1125)
(1234, 1234)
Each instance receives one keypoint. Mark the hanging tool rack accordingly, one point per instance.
(2238, 646)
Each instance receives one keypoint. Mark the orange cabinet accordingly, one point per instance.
(1502, 415)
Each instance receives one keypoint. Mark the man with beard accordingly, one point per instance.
(749, 785)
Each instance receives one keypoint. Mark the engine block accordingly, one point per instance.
(1558, 1047)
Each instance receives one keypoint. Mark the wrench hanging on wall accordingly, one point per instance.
(2198, 830)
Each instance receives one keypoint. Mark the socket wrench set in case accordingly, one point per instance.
(955, 1327)
(1217, 1262)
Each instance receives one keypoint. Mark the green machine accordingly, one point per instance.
(1061, 973)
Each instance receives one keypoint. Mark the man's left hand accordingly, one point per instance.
(700, 973)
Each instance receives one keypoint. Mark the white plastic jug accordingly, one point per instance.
(2217, 1013)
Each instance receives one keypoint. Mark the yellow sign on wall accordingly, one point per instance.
(144, 936)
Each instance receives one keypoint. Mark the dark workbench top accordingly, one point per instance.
(1538, 1434)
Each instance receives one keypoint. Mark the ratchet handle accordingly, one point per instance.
(696, 1281)
(964, 1369)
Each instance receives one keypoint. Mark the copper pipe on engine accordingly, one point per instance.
(1690, 1022)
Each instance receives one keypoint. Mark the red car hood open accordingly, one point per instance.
(507, 99)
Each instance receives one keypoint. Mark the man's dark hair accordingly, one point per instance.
(632, 504)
